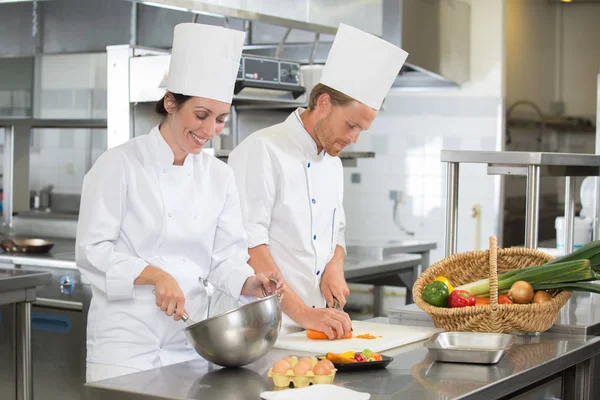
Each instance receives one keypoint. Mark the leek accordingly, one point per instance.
(574, 286)
(557, 274)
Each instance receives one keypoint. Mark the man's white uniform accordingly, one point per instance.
(291, 195)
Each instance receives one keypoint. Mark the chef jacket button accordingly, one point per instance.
(194, 217)
(315, 237)
(170, 215)
(313, 306)
(318, 272)
(184, 260)
(308, 165)
(164, 170)
(189, 174)
(186, 343)
(160, 346)
(314, 201)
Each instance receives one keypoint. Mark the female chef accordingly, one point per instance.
(158, 216)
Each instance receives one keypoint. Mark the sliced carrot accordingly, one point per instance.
(316, 335)
(376, 356)
(366, 336)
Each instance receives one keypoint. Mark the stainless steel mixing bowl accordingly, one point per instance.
(240, 336)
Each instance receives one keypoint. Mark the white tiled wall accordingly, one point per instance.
(407, 143)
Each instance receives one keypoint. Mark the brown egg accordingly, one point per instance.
(329, 363)
(289, 360)
(321, 369)
(281, 367)
(301, 368)
(306, 360)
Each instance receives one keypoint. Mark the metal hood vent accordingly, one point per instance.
(436, 35)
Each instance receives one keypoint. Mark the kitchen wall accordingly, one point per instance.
(407, 137)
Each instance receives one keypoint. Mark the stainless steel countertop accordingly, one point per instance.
(412, 374)
(12, 280)
(357, 267)
(580, 316)
(381, 247)
(62, 255)
(517, 158)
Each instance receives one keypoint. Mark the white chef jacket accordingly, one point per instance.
(291, 199)
(139, 209)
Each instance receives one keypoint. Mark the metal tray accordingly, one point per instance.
(469, 347)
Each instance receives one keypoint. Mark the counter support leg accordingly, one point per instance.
(378, 301)
(451, 207)
(532, 206)
(569, 226)
(25, 383)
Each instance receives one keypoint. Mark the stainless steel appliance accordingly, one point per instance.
(58, 320)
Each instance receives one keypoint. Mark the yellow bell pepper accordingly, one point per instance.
(446, 282)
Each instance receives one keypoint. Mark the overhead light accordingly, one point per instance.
(566, 1)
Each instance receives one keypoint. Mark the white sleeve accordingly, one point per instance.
(229, 269)
(103, 206)
(254, 175)
(341, 239)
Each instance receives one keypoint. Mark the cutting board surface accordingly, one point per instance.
(391, 336)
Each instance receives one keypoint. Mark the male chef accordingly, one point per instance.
(291, 181)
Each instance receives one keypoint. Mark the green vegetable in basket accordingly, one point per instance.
(436, 294)
(548, 276)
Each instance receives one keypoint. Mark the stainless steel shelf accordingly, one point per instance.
(520, 158)
(529, 164)
(55, 123)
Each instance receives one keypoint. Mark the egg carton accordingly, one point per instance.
(299, 381)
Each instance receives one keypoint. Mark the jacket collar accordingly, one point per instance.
(163, 154)
(301, 136)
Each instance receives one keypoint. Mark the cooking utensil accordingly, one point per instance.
(469, 347)
(240, 336)
(20, 245)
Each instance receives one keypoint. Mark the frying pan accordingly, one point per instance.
(21, 245)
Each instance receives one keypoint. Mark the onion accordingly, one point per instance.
(541, 296)
(521, 292)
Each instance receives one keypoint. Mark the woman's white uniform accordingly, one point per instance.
(291, 199)
(138, 209)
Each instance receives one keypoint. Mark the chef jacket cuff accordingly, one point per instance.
(120, 278)
(257, 235)
(239, 277)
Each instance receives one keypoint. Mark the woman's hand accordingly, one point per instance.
(169, 296)
(272, 282)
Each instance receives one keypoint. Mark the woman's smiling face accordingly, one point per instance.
(195, 122)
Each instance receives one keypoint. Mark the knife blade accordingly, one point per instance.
(337, 306)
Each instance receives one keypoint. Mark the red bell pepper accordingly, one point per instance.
(461, 298)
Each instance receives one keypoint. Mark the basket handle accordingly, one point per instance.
(493, 273)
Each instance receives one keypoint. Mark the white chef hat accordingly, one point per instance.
(204, 61)
(362, 66)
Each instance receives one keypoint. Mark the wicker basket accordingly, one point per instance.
(501, 318)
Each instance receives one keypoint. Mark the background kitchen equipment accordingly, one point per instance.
(19, 245)
(59, 319)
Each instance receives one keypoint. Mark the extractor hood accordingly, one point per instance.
(436, 35)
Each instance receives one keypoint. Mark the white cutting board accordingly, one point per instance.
(391, 336)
